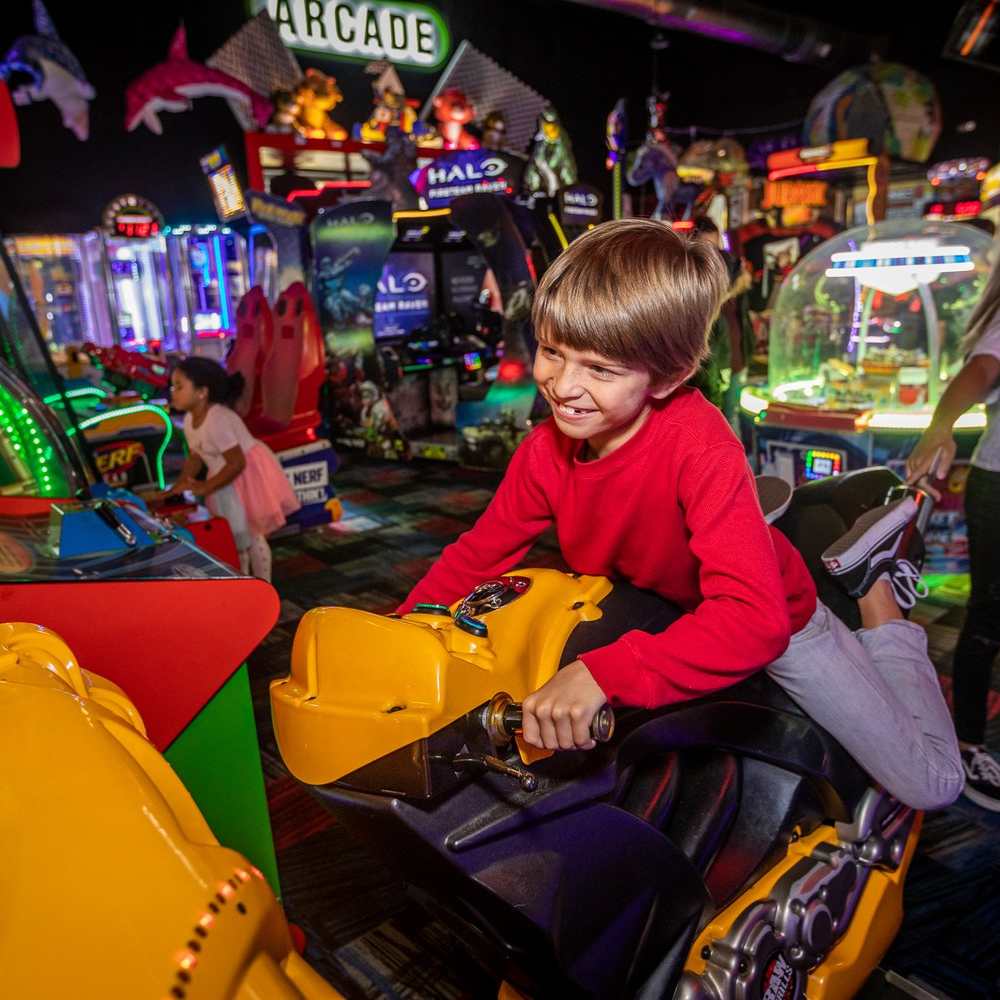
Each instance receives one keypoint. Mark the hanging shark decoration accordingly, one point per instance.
(174, 84)
(56, 74)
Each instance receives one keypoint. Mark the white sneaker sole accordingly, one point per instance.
(857, 549)
(983, 801)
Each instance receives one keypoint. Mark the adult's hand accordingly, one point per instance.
(932, 457)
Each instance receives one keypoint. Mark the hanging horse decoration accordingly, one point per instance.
(656, 159)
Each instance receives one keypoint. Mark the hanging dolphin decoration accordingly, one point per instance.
(173, 84)
(56, 74)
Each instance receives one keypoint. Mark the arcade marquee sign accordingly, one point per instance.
(407, 34)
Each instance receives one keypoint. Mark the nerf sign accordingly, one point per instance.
(123, 463)
(405, 33)
(310, 481)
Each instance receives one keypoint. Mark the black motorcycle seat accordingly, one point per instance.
(822, 511)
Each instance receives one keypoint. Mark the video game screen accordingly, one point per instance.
(406, 294)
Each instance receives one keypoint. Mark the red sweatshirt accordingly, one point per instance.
(673, 510)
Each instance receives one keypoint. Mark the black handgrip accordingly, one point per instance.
(602, 726)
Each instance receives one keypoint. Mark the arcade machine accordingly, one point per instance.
(114, 582)
(956, 186)
(111, 848)
(865, 335)
(125, 439)
(63, 277)
(209, 275)
(437, 338)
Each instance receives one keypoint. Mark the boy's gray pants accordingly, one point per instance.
(876, 692)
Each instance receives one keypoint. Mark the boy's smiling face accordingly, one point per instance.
(594, 398)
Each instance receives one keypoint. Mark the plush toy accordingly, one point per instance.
(495, 131)
(285, 117)
(391, 169)
(656, 159)
(56, 74)
(173, 84)
(551, 164)
(453, 112)
(317, 95)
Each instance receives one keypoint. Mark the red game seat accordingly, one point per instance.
(293, 373)
(254, 337)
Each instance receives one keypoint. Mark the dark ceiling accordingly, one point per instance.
(583, 59)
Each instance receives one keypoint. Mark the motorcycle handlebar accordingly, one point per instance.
(504, 717)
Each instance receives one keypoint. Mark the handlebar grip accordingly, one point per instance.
(602, 726)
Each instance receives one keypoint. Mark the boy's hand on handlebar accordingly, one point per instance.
(558, 715)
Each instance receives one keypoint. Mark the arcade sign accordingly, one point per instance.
(407, 34)
(781, 194)
(470, 171)
(580, 205)
(133, 217)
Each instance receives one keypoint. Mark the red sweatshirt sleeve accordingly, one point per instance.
(498, 541)
(742, 622)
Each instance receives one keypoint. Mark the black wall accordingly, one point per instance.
(582, 59)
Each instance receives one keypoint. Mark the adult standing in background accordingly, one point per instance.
(977, 382)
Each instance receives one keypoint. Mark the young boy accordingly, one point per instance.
(643, 480)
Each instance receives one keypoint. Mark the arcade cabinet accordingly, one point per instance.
(866, 333)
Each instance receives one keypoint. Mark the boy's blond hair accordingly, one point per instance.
(636, 291)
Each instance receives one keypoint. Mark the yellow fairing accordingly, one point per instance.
(112, 883)
(873, 926)
(363, 685)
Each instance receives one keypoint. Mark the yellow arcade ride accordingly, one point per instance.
(113, 884)
(721, 849)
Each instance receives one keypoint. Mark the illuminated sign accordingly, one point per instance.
(778, 194)
(408, 34)
(580, 205)
(470, 171)
(117, 460)
(897, 266)
(133, 217)
(226, 191)
(275, 211)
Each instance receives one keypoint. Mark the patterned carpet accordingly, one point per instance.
(368, 938)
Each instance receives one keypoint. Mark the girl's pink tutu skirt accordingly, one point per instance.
(264, 491)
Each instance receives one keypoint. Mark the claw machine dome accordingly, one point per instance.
(870, 323)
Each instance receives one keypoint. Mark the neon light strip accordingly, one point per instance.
(431, 213)
(75, 394)
(561, 236)
(325, 186)
(138, 408)
(223, 290)
(813, 168)
(984, 18)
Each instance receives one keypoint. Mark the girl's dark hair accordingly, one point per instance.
(207, 374)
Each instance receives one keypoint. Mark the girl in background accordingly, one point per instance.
(979, 642)
(245, 483)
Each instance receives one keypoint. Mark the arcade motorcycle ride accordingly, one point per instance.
(720, 849)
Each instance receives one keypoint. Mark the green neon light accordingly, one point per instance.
(34, 455)
(56, 398)
(138, 408)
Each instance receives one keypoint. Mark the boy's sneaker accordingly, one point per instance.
(774, 495)
(873, 547)
(982, 778)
